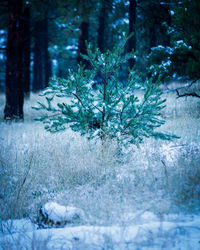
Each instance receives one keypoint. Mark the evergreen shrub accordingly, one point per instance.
(105, 108)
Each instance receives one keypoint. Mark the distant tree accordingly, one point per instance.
(159, 15)
(84, 8)
(38, 76)
(153, 19)
(26, 49)
(84, 32)
(47, 61)
(3, 36)
(42, 63)
(42, 13)
(83, 37)
(14, 88)
(132, 29)
(3, 14)
(103, 22)
(185, 27)
(180, 57)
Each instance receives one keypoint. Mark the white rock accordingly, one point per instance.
(56, 213)
(148, 216)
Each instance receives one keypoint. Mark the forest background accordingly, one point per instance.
(41, 39)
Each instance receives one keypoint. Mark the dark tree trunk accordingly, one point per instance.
(153, 40)
(26, 50)
(167, 41)
(60, 72)
(158, 32)
(38, 67)
(84, 28)
(47, 61)
(42, 65)
(132, 29)
(102, 26)
(14, 88)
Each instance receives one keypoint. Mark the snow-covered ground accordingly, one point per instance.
(146, 198)
(174, 231)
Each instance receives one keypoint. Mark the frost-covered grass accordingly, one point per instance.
(160, 177)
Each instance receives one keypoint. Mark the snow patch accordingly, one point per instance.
(56, 213)
(174, 232)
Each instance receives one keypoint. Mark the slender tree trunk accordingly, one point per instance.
(14, 88)
(59, 70)
(84, 29)
(42, 70)
(169, 23)
(47, 61)
(38, 67)
(26, 50)
(132, 29)
(153, 40)
(102, 26)
(158, 33)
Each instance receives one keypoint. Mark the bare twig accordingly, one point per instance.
(23, 182)
(77, 97)
(183, 87)
(166, 173)
(97, 108)
(194, 81)
(178, 146)
(193, 94)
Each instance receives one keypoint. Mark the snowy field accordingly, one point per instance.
(144, 198)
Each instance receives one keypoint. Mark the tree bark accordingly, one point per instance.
(14, 88)
(153, 40)
(38, 67)
(47, 61)
(84, 30)
(26, 50)
(158, 33)
(42, 64)
(132, 29)
(102, 26)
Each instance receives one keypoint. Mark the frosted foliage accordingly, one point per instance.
(161, 58)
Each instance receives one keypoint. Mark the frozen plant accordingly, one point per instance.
(110, 109)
